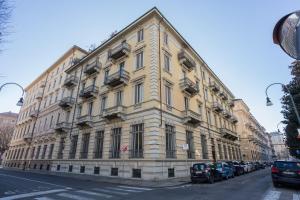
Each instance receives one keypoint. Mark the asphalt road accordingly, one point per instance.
(253, 186)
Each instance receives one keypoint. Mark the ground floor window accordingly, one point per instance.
(136, 173)
(171, 172)
(115, 143)
(114, 171)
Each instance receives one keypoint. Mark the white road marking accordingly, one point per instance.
(120, 189)
(27, 179)
(9, 192)
(73, 196)
(272, 195)
(94, 193)
(109, 191)
(44, 198)
(19, 196)
(135, 188)
(296, 196)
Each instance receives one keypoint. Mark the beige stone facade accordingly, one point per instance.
(141, 105)
(255, 142)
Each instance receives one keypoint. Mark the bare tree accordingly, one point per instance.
(6, 133)
(5, 14)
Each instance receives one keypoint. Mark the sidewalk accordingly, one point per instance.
(172, 182)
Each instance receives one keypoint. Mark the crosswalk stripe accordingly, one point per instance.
(19, 196)
(296, 196)
(43, 198)
(125, 190)
(94, 193)
(73, 196)
(135, 188)
(109, 191)
(272, 195)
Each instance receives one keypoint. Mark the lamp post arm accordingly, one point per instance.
(291, 97)
(2, 86)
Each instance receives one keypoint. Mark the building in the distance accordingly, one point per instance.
(143, 104)
(280, 148)
(254, 140)
(8, 121)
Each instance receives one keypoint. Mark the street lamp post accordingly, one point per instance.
(21, 100)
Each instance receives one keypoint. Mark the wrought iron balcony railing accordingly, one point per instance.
(67, 102)
(191, 117)
(118, 111)
(119, 51)
(88, 92)
(71, 81)
(187, 60)
(117, 78)
(189, 86)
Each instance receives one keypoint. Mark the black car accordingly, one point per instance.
(236, 167)
(205, 172)
(285, 172)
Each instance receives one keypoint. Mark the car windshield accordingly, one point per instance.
(199, 167)
(235, 163)
(288, 165)
(219, 165)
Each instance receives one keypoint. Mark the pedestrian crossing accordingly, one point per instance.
(107, 192)
(281, 194)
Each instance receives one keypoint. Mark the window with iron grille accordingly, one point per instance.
(225, 152)
(34, 166)
(70, 168)
(190, 142)
(61, 148)
(73, 147)
(41, 166)
(50, 151)
(44, 151)
(170, 141)
(48, 167)
(171, 172)
(136, 173)
(82, 169)
(57, 167)
(96, 170)
(114, 172)
(220, 151)
(85, 146)
(99, 144)
(137, 142)
(38, 152)
(115, 143)
(204, 147)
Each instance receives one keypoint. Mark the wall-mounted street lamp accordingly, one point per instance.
(21, 100)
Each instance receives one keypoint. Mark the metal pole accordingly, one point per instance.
(2, 86)
(291, 97)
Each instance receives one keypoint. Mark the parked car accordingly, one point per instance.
(256, 166)
(285, 172)
(205, 172)
(237, 168)
(225, 170)
(246, 166)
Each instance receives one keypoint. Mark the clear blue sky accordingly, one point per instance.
(233, 37)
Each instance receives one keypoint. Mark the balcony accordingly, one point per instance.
(33, 113)
(191, 117)
(84, 121)
(39, 95)
(71, 81)
(231, 103)
(27, 138)
(119, 51)
(89, 92)
(217, 107)
(214, 87)
(43, 84)
(233, 119)
(186, 60)
(117, 78)
(223, 96)
(115, 112)
(66, 102)
(189, 86)
(62, 127)
(92, 68)
(226, 114)
(228, 134)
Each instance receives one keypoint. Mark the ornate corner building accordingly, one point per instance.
(143, 104)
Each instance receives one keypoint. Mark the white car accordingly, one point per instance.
(247, 168)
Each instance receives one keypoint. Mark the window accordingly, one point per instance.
(139, 60)
(61, 148)
(82, 169)
(204, 147)
(85, 146)
(90, 111)
(103, 104)
(79, 110)
(137, 141)
(209, 117)
(106, 73)
(51, 151)
(138, 93)
(171, 172)
(220, 151)
(115, 143)
(38, 152)
(166, 39)
(140, 35)
(70, 168)
(96, 170)
(229, 153)
(73, 146)
(136, 173)
(114, 172)
(99, 144)
(168, 95)
(170, 141)
(205, 94)
(190, 142)
(167, 63)
(44, 151)
(186, 103)
(119, 97)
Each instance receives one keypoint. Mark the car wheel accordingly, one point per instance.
(211, 180)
